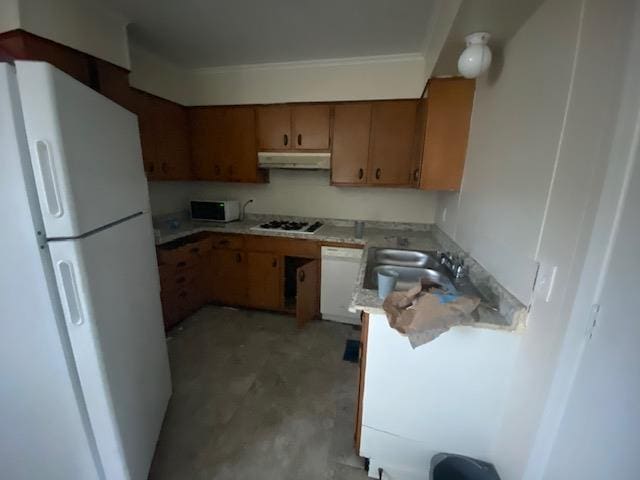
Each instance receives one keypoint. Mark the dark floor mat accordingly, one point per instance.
(351, 351)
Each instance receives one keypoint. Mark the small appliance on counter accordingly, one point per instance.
(215, 210)
(289, 226)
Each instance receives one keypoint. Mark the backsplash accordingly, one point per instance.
(303, 194)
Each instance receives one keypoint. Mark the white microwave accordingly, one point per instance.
(215, 210)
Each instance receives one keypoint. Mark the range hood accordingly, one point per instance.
(295, 160)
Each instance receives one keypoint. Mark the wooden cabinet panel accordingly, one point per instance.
(350, 151)
(364, 334)
(264, 280)
(274, 127)
(228, 241)
(392, 142)
(284, 246)
(418, 142)
(164, 134)
(21, 45)
(228, 273)
(448, 117)
(307, 288)
(207, 138)
(311, 127)
(113, 83)
(241, 151)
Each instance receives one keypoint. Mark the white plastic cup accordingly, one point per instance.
(386, 282)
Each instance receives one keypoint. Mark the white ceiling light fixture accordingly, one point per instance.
(476, 58)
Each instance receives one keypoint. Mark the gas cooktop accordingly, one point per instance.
(289, 226)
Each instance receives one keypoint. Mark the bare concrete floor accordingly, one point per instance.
(256, 398)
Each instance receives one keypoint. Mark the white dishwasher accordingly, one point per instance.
(340, 268)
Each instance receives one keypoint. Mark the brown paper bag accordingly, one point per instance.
(423, 316)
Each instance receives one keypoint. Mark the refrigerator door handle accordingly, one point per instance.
(70, 292)
(48, 176)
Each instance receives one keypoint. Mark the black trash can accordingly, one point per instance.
(449, 466)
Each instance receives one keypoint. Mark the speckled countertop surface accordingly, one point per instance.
(498, 310)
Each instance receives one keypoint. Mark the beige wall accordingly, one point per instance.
(394, 76)
(302, 193)
(9, 15)
(537, 154)
(83, 25)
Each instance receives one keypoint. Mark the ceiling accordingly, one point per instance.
(210, 33)
(501, 18)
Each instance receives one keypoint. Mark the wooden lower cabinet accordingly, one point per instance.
(308, 286)
(264, 280)
(228, 277)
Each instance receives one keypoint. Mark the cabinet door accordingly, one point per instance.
(364, 333)
(228, 277)
(274, 127)
(449, 105)
(146, 124)
(264, 280)
(351, 128)
(307, 292)
(172, 137)
(241, 157)
(392, 135)
(207, 139)
(311, 127)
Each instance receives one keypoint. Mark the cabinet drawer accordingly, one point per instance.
(231, 242)
(188, 253)
(286, 246)
(173, 278)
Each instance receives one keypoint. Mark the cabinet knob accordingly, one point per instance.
(299, 139)
(301, 276)
(415, 174)
(378, 173)
(360, 173)
(286, 139)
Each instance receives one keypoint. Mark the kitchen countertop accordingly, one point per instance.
(505, 311)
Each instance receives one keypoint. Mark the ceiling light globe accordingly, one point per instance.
(476, 58)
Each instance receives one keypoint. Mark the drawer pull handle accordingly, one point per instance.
(301, 276)
(415, 174)
(360, 173)
(299, 139)
(378, 173)
(286, 139)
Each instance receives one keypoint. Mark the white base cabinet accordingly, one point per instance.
(445, 396)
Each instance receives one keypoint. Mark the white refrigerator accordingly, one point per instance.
(84, 371)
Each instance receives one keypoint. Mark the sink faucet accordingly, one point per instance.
(454, 264)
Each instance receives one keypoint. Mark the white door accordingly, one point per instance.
(110, 292)
(85, 151)
(598, 437)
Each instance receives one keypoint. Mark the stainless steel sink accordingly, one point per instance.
(409, 277)
(405, 258)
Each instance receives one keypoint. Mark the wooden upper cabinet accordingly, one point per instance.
(207, 138)
(21, 45)
(223, 144)
(163, 136)
(392, 142)
(113, 83)
(350, 151)
(448, 116)
(274, 127)
(311, 127)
